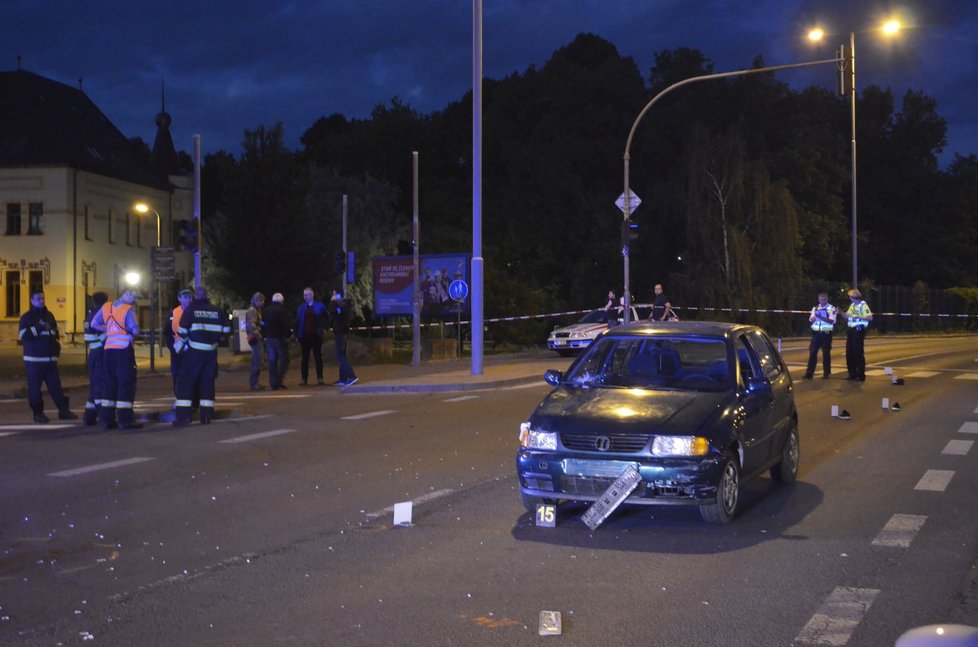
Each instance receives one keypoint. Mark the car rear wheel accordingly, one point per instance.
(531, 502)
(728, 493)
(787, 470)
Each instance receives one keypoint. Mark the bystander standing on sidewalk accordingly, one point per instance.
(38, 332)
(339, 314)
(253, 332)
(277, 334)
(310, 326)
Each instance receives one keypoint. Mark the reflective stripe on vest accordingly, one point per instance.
(29, 358)
(820, 325)
(116, 336)
(196, 345)
(857, 315)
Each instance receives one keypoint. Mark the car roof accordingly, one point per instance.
(702, 328)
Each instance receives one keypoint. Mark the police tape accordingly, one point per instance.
(705, 310)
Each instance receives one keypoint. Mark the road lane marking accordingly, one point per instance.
(431, 496)
(264, 434)
(372, 414)
(900, 530)
(838, 616)
(7, 433)
(968, 428)
(29, 427)
(958, 447)
(102, 466)
(876, 372)
(462, 398)
(966, 376)
(934, 480)
(923, 374)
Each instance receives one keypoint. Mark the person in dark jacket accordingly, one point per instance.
(310, 324)
(38, 332)
(94, 340)
(171, 334)
(277, 334)
(339, 315)
(202, 328)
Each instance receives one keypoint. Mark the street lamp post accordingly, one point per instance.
(142, 207)
(626, 207)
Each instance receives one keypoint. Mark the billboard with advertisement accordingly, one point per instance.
(394, 281)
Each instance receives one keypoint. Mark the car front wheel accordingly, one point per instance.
(728, 493)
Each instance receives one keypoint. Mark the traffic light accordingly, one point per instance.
(846, 65)
(186, 234)
(629, 233)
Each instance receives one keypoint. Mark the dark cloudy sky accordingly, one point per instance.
(235, 64)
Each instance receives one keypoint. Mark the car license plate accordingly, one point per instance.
(612, 469)
(601, 509)
(559, 342)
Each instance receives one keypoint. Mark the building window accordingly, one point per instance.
(111, 227)
(35, 214)
(13, 219)
(13, 293)
(35, 281)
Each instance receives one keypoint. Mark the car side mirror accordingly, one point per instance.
(553, 376)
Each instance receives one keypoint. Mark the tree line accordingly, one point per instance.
(745, 185)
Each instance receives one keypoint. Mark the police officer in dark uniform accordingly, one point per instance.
(94, 341)
(202, 327)
(38, 332)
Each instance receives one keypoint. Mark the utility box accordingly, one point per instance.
(239, 339)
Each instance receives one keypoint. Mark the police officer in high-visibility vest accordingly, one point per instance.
(38, 332)
(117, 319)
(858, 317)
(171, 334)
(202, 327)
(94, 341)
(822, 320)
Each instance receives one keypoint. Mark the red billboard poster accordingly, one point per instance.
(394, 282)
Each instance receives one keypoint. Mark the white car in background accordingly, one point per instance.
(572, 339)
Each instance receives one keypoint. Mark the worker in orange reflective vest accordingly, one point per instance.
(118, 321)
(172, 334)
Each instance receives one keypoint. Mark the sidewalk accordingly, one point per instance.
(498, 370)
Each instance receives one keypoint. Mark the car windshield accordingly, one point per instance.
(597, 316)
(660, 362)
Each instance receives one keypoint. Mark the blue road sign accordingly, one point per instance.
(458, 290)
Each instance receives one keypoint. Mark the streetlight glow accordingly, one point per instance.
(131, 278)
(891, 27)
(816, 34)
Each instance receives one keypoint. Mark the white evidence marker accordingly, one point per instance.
(402, 513)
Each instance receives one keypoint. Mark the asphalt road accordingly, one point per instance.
(275, 527)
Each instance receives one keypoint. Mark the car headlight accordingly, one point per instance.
(532, 439)
(680, 446)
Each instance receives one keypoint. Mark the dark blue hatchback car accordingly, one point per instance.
(697, 408)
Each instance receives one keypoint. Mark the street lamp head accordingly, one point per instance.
(816, 34)
(891, 27)
(131, 278)
(141, 207)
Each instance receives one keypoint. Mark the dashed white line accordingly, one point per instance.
(28, 427)
(934, 480)
(462, 398)
(101, 466)
(838, 616)
(900, 530)
(418, 501)
(264, 434)
(923, 374)
(7, 433)
(372, 414)
(968, 428)
(958, 447)
(966, 376)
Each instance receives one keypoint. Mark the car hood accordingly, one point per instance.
(581, 328)
(579, 409)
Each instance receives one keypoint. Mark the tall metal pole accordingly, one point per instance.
(153, 315)
(627, 211)
(852, 113)
(416, 300)
(344, 244)
(477, 264)
(198, 282)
